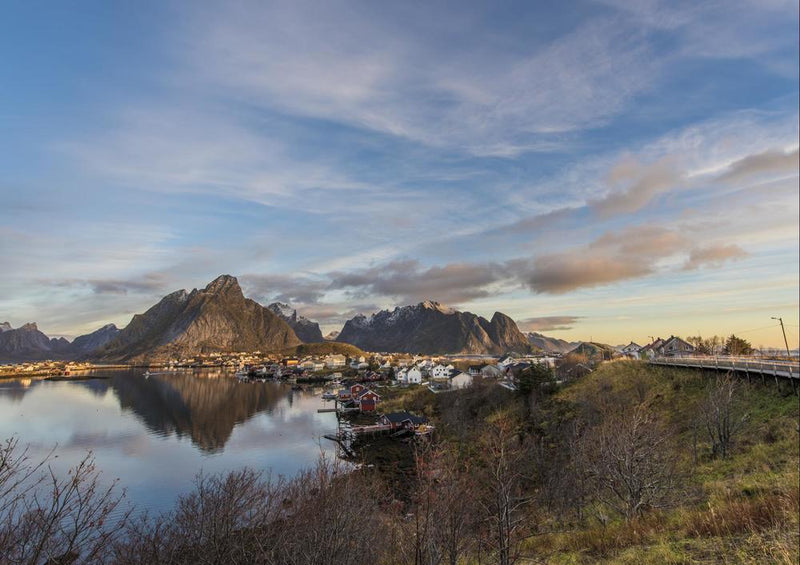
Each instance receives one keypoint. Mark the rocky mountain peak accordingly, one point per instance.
(5, 326)
(438, 306)
(223, 284)
(30, 327)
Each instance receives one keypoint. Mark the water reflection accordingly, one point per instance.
(156, 433)
(201, 408)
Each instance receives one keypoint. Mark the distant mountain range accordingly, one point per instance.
(430, 327)
(551, 344)
(218, 318)
(306, 330)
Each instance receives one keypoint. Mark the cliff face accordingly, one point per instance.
(216, 318)
(306, 330)
(429, 328)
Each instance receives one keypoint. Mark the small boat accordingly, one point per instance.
(329, 396)
(297, 387)
(147, 374)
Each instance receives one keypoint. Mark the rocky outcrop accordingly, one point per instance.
(430, 327)
(306, 330)
(217, 318)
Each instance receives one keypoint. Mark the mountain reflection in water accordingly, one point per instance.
(155, 434)
(204, 408)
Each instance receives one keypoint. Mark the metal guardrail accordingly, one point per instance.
(785, 369)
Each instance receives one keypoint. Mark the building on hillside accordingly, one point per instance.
(475, 370)
(402, 420)
(335, 361)
(506, 360)
(491, 372)
(441, 372)
(676, 347)
(413, 376)
(460, 380)
(632, 350)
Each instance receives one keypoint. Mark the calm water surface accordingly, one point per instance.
(155, 434)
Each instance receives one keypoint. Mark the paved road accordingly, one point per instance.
(750, 365)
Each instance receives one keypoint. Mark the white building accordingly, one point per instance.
(461, 380)
(413, 376)
(441, 372)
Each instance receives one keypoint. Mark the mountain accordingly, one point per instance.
(27, 343)
(550, 344)
(430, 327)
(86, 344)
(217, 318)
(5, 326)
(331, 336)
(306, 330)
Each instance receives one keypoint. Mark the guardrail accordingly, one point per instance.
(748, 365)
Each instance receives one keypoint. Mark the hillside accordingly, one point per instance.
(325, 348)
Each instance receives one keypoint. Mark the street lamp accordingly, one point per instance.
(785, 341)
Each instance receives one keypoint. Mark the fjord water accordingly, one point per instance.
(156, 434)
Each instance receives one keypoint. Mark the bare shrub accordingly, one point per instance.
(629, 462)
(49, 518)
(722, 414)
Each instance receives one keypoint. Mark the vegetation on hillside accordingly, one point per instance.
(325, 348)
(628, 464)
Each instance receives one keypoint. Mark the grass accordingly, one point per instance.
(743, 509)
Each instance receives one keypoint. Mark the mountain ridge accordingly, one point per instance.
(430, 327)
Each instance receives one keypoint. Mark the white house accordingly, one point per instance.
(441, 372)
(413, 376)
(491, 371)
(400, 375)
(506, 360)
(461, 380)
(632, 350)
(334, 361)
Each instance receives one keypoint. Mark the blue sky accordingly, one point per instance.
(612, 170)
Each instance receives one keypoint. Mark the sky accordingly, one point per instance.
(607, 170)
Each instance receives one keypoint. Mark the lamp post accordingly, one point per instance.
(785, 341)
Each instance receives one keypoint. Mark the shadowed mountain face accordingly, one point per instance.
(203, 409)
(306, 330)
(217, 318)
(430, 327)
(27, 343)
(86, 344)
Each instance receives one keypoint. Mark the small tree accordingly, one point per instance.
(737, 346)
(722, 414)
(629, 462)
(504, 500)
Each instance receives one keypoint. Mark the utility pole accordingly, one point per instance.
(785, 341)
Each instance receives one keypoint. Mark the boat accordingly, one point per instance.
(329, 396)
(147, 374)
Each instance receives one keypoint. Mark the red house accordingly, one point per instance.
(368, 400)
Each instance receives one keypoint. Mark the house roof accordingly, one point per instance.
(400, 417)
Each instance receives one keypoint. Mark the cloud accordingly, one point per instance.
(772, 161)
(637, 185)
(615, 256)
(548, 323)
(713, 256)
(148, 283)
(408, 281)
(284, 288)
(431, 76)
